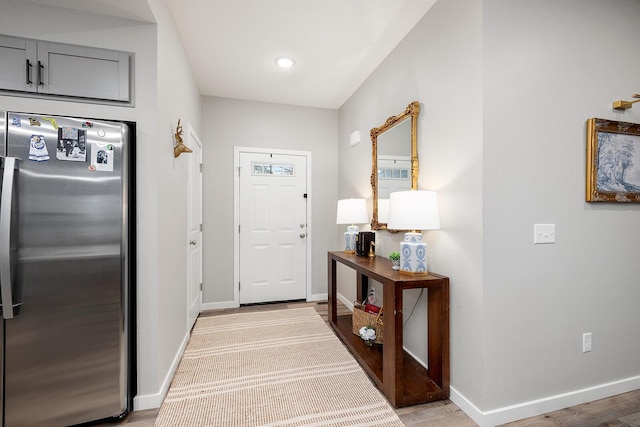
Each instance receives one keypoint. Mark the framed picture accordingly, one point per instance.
(613, 161)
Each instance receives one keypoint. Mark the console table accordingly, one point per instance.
(400, 377)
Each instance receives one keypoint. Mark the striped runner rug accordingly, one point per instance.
(275, 368)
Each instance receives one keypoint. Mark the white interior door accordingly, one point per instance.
(272, 227)
(194, 279)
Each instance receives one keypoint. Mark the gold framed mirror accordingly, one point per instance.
(394, 160)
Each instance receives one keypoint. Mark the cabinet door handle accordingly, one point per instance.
(28, 69)
(40, 73)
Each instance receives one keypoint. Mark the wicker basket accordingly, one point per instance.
(362, 318)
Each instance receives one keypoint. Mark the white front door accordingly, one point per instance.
(194, 279)
(272, 227)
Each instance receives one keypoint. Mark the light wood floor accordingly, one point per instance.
(617, 411)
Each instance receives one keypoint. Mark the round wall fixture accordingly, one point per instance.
(285, 62)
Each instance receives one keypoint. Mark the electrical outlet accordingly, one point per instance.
(586, 342)
(371, 298)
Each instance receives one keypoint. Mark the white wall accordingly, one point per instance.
(227, 123)
(439, 65)
(548, 67)
(505, 89)
(164, 92)
(165, 320)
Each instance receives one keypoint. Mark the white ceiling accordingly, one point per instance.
(232, 44)
(135, 10)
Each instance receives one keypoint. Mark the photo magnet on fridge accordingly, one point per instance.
(38, 149)
(72, 144)
(102, 157)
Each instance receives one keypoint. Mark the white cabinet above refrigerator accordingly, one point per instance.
(46, 68)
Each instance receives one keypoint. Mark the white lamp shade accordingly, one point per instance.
(352, 211)
(413, 210)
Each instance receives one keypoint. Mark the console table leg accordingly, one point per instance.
(392, 348)
(332, 292)
(438, 339)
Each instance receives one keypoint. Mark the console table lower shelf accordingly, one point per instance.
(399, 376)
(417, 386)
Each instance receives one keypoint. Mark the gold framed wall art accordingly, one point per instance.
(613, 161)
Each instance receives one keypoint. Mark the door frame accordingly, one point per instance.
(192, 139)
(236, 213)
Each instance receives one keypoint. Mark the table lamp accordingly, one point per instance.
(413, 210)
(351, 211)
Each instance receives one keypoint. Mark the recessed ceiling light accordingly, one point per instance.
(285, 62)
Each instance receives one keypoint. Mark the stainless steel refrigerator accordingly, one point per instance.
(64, 270)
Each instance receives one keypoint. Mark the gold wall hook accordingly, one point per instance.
(623, 105)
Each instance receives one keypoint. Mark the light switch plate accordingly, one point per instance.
(544, 233)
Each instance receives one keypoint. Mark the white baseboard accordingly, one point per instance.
(154, 400)
(147, 401)
(542, 406)
(318, 297)
(232, 304)
(218, 305)
(345, 301)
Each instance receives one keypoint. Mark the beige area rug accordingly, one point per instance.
(276, 368)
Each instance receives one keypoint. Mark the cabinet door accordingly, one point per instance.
(83, 72)
(17, 68)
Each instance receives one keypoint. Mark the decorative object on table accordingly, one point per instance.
(361, 318)
(351, 211)
(413, 210)
(371, 308)
(623, 105)
(368, 334)
(395, 260)
(363, 242)
(613, 161)
(179, 147)
(372, 251)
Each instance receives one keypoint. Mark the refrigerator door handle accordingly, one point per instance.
(6, 199)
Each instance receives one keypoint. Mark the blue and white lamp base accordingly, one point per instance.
(350, 239)
(413, 254)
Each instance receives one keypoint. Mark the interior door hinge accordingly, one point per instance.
(238, 228)
(238, 170)
(200, 227)
(201, 167)
(200, 286)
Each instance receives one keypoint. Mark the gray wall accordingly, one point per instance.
(164, 92)
(548, 67)
(439, 65)
(229, 123)
(506, 87)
